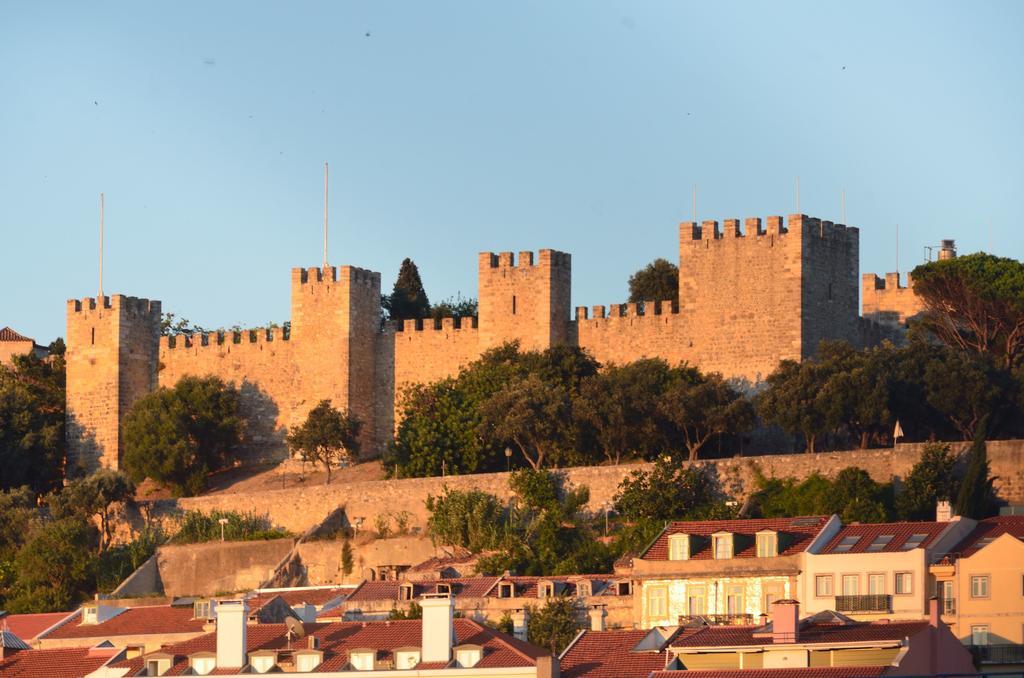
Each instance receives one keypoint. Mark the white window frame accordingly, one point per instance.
(767, 545)
(657, 596)
(876, 584)
(855, 578)
(723, 541)
(898, 583)
(981, 630)
(979, 582)
(679, 547)
(820, 579)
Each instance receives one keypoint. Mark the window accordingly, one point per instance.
(203, 665)
(879, 543)
(679, 547)
(734, 600)
(93, 341)
(261, 663)
(306, 662)
(468, 657)
(945, 594)
(696, 598)
(405, 592)
(904, 583)
(845, 544)
(513, 304)
(406, 659)
(584, 588)
(545, 589)
(876, 584)
(657, 602)
(823, 585)
(506, 590)
(361, 661)
(157, 667)
(851, 584)
(913, 542)
(979, 587)
(202, 609)
(767, 545)
(723, 547)
(443, 588)
(979, 635)
(623, 588)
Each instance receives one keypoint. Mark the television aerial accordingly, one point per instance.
(295, 629)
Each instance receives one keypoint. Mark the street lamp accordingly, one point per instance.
(508, 459)
(223, 522)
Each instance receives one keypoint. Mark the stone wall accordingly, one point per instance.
(218, 567)
(887, 302)
(298, 509)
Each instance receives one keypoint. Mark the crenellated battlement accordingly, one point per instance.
(259, 335)
(645, 309)
(753, 227)
(433, 325)
(331, 274)
(132, 305)
(546, 258)
(870, 281)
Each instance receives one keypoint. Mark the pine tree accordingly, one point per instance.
(408, 300)
(975, 497)
(346, 557)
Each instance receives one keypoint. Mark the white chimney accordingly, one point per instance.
(231, 633)
(597, 616)
(438, 627)
(520, 620)
(943, 512)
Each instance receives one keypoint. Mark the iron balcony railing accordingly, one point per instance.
(1008, 653)
(716, 619)
(866, 603)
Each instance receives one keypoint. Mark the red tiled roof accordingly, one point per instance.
(28, 626)
(609, 654)
(900, 532)
(796, 533)
(135, 621)
(7, 334)
(469, 587)
(310, 596)
(336, 639)
(989, 529)
(728, 636)
(526, 587)
(55, 663)
(804, 672)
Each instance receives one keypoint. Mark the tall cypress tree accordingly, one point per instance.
(975, 497)
(408, 300)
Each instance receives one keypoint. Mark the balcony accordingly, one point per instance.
(868, 603)
(716, 619)
(1008, 653)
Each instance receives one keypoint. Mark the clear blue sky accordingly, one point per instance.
(454, 128)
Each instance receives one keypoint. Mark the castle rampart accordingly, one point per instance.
(751, 293)
(887, 302)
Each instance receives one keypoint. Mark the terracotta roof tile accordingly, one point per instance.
(988, 530)
(468, 587)
(311, 596)
(28, 626)
(727, 636)
(900, 533)
(807, 672)
(158, 619)
(798, 533)
(54, 663)
(7, 334)
(609, 654)
(526, 587)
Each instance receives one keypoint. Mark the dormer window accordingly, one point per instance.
(623, 588)
(679, 547)
(158, 666)
(506, 589)
(306, 661)
(444, 588)
(362, 660)
(767, 544)
(545, 589)
(723, 546)
(203, 664)
(90, 614)
(262, 662)
(202, 609)
(407, 657)
(405, 592)
(468, 656)
(584, 588)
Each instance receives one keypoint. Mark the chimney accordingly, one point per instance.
(948, 250)
(438, 627)
(785, 621)
(231, 634)
(933, 612)
(520, 619)
(597, 616)
(943, 512)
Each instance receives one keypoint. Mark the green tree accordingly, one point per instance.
(455, 307)
(468, 518)
(414, 612)
(792, 400)
(408, 299)
(976, 496)
(670, 491)
(94, 495)
(173, 326)
(32, 445)
(177, 436)
(657, 281)
(619, 406)
(56, 566)
(17, 511)
(933, 479)
(555, 625)
(347, 563)
(535, 416)
(853, 495)
(967, 388)
(328, 437)
(975, 303)
(702, 406)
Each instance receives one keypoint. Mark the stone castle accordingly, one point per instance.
(749, 297)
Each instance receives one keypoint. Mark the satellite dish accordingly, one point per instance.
(295, 627)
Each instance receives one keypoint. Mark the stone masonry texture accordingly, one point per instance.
(750, 295)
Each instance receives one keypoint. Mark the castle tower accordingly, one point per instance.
(751, 297)
(112, 347)
(335, 322)
(524, 300)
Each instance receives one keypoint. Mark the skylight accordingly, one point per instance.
(880, 542)
(913, 542)
(846, 543)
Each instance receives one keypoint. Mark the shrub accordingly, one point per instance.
(196, 527)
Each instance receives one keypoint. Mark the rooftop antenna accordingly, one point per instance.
(325, 214)
(842, 201)
(798, 194)
(897, 252)
(695, 203)
(101, 248)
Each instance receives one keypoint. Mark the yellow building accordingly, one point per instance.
(723, 571)
(981, 587)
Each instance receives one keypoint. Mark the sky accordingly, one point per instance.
(453, 128)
